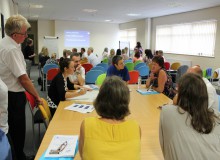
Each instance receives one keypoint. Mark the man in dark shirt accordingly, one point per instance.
(118, 68)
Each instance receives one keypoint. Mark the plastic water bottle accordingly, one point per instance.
(139, 82)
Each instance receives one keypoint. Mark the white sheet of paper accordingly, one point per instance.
(82, 108)
(58, 140)
(90, 95)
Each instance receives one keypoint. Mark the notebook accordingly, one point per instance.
(147, 91)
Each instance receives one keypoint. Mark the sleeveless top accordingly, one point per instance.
(168, 88)
(106, 141)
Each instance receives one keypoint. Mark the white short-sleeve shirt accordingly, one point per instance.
(3, 106)
(74, 78)
(12, 64)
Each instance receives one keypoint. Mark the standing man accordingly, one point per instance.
(92, 58)
(29, 55)
(13, 74)
(78, 76)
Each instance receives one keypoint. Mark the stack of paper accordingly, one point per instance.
(90, 96)
(91, 86)
(147, 91)
(65, 143)
(82, 108)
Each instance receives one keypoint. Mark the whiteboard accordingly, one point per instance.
(52, 45)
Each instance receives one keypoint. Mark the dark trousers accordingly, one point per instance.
(16, 122)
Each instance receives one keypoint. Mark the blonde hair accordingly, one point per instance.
(53, 55)
(15, 23)
(44, 51)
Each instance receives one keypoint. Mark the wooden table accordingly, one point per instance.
(143, 108)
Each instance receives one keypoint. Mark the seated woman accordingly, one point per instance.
(159, 80)
(60, 87)
(137, 57)
(148, 56)
(190, 130)
(52, 59)
(110, 136)
(118, 69)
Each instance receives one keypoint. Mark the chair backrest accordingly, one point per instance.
(92, 75)
(87, 67)
(105, 60)
(31, 100)
(139, 65)
(137, 62)
(99, 68)
(47, 67)
(133, 77)
(100, 79)
(52, 73)
(45, 111)
(209, 72)
(175, 65)
(167, 65)
(128, 60)
(130, 66)
(180, 71)
(143, 71)
(104, 65)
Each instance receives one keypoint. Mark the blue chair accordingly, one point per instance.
(144, 72)
(46, 68)
(139, 65)
(92, 75)
(99, 68)
(104, 65)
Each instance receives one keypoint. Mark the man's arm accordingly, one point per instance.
(28, 86)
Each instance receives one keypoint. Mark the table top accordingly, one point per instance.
(143, 108)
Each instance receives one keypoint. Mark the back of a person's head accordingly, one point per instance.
(83, 49)
(118, 52)
(91, 49)
(105, 49)
(196, 70)
(74, 55)
(137, 54)
(113, 99)
(112, 52)
(53, 56)
(193, 98)
(148, 53)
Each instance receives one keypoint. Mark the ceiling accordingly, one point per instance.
(116, 11)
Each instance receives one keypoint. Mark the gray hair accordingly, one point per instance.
(15, 23)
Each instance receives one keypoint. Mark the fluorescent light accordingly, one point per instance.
(36, 6)
(108, 20)
(133, 14)
(89, 10)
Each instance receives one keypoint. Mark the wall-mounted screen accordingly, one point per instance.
(76, 38)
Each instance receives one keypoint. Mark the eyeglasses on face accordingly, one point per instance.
(24, 34)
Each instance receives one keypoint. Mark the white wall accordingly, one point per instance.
(205, 14)
(101, 34)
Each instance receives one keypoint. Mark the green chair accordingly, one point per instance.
(137, 62)
(130, 66)
(105, 60)
(204, 73)
(100, 79)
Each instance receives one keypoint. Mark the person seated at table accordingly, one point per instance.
(159, 80)
(111, 135)
(137, 57)
(190, 130)
(60, 87)
(52, 59)
(118, 68)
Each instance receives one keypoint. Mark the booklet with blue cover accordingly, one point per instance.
(147, 91)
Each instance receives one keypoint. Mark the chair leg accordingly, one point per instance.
(33, 137)
(39, 131)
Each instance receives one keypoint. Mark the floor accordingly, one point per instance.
(29, 147)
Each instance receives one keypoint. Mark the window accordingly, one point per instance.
(197, 38)
(130, 36)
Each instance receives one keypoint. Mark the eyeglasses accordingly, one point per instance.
(24, 34)
(60, 149)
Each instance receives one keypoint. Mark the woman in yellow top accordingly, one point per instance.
(111, 136)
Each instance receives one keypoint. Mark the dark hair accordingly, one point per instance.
(159, 60)
(193, 98)
(74, 54)
(137, 54)
(148, 53)
(29, 41)
(118, 52)
(83, 49)
(64, 63)
(113, 99)
(138, 45)
(115, 59)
